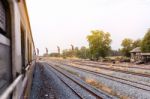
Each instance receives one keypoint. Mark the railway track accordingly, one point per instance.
(92, 91)
(134, 84)
(116, 70)
(115, 65)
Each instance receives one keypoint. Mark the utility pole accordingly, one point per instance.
(72, 47)
(37, 50)
(58, 49)
(46, 51)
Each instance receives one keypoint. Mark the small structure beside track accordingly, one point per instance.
(138, 56)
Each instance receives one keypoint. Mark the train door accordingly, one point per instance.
(5, 46)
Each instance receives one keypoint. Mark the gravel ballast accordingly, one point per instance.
(46, 85)
(77, 87)
(122, 89)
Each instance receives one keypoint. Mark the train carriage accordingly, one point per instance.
(17, 49)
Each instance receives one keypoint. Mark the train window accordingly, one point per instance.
(5, 47)
(4, 18)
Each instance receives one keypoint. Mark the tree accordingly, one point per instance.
(68, 53)
(145, 45)
(127, 45)
(54, 55)
(136, 43)
(83, 53)
(99, 44)
(115, 53)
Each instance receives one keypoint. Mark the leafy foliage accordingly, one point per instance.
(145, 45)
(54, 55)
(83, 53)
(136, 43)
(115, 53)
(99, 44)
(68, 53)
(127, 46)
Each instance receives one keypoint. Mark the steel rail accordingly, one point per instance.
(111, 77)
(117, 70)
(92, 93)
(68, 85)
(115, 65)
(81, 85)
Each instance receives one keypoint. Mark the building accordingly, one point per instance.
(137, 55)
(145, 57)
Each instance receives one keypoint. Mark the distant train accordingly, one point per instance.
(17, 50)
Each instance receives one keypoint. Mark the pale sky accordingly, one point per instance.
(65, 22)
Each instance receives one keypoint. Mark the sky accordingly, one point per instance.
(65, 22)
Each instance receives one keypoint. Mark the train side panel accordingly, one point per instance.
(16, 45)
(5, 47)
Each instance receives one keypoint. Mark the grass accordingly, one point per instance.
(103, 87)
